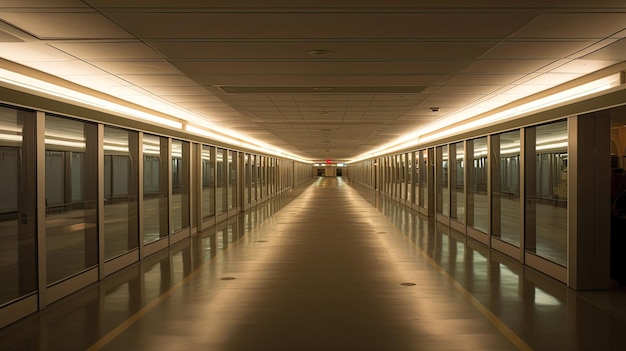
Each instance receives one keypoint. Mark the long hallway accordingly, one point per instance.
(335, 268)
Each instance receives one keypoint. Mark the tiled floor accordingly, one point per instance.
(337, 268)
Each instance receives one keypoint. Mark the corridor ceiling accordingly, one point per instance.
(325, 79)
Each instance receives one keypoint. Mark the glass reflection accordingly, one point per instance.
(443, 192)
(232, 179)
(477, 201)
(121, 175)
(247, 179)
(18, 255)
(457, 182)
(423, 177)
(546, 193)
(208, 182)
(71, 197)
(180, 185)
(155, 188)
(222, 191)
(416, 177)
(505, 187)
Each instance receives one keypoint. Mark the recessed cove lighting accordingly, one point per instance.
(320, 52)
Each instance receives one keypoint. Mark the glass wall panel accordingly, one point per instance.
(155, 188)
(255, 177)
(443, 191)
(208, 182)
(457, 182)
(402, 176)
(222, 191)
(417, 177)
(505, 187)
(477, 201)
(263, 174)
(232, 179)
(408, 173)
(246, 179)
(71, 190)
(546, 199)
(18, 204)
(180, 185)
(423, 177)
(121, 189)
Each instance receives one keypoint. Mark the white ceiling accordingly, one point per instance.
(391, 61)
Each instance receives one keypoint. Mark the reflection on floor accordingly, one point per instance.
(336, 268)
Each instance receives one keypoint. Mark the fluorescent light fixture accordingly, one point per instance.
(58, 91)
(593, 87)
(208, 134)
(208, 129)
(438, 132)
(264, 149)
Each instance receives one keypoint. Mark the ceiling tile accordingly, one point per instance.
(574, 26)
(535, 49)
(85, 25)
(108, 51)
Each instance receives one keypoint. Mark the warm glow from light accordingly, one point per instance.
(441, 129)
(58, 91)
(247, 145)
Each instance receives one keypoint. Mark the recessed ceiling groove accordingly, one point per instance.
(323, 89)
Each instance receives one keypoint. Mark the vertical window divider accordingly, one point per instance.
(40, 122)
(169, 191)
(140, 193)
(522, 190)
(100, 197)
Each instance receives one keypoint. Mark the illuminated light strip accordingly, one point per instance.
(196, 130)
(57, 91)
(206, 133)
(551, 100)
(41, 86)
(420, 136)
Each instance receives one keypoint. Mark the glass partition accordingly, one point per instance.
(246, 179)
(505, 187)
(208, 182)
(121, 189)
(18, 204)
(155, 188)
(443, 192)
(416, 177)
(222, 191)
(255, 177)
(180, 185)
(71, 197)
(408, 159)
(457, 182)
(232, 179)
(423, 179)
(263, 174)
(546, 191)
(477, 201)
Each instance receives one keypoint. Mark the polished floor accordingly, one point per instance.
(329, 266)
